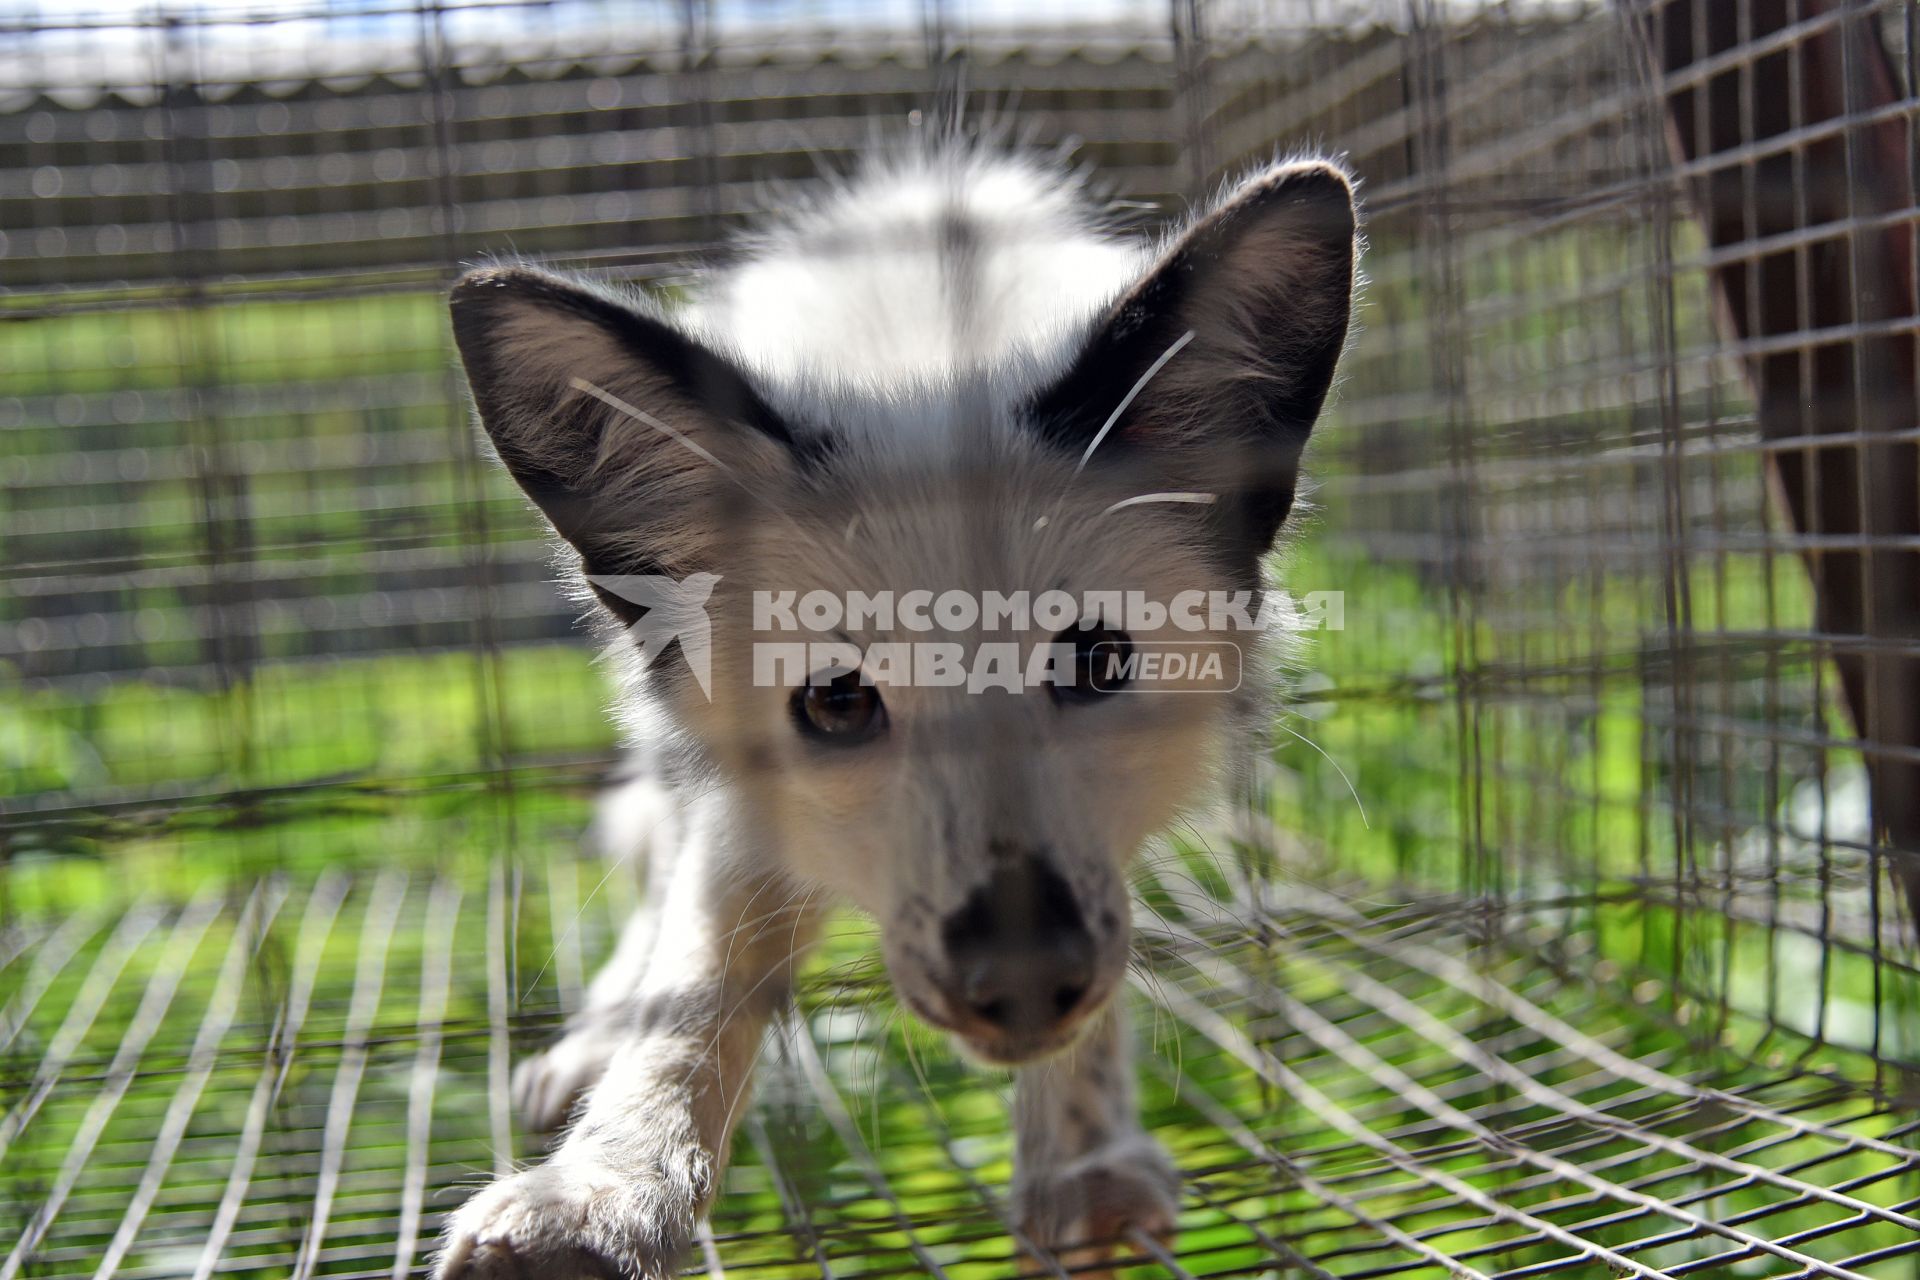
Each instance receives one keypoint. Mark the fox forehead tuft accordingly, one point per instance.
(952, 269)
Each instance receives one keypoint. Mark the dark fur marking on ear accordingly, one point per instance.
(697, 373)
(1265, 285)
(516, 329)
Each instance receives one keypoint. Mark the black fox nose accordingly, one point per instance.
(1021, 957)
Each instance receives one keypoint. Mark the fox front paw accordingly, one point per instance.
(573, 1220)
(547, 1085)
(1085, 1210)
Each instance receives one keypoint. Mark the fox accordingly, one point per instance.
(953, 371)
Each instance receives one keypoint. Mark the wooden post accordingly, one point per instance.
(1801, 166)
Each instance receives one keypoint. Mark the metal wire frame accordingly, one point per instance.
(324, 1049)
(1663, 1029)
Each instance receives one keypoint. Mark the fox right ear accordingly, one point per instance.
(1215, 364)
(621, 428)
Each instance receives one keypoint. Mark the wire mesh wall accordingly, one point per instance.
(1571, 942)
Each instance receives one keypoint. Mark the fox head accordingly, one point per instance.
(949, 385)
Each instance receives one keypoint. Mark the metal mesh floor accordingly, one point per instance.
(302, 1078)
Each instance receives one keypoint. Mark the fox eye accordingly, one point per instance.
(1100, 665)
(843, 711)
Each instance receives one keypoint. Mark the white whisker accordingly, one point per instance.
(1351, 789)
(1106, 427)
(1142, 499)
(642, 416)
(1127, 399)
(579, 914)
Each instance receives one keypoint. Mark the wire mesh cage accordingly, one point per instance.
(1564, 929)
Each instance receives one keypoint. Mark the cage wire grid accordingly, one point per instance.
(1598, 965)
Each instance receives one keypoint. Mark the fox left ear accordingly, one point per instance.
(632, 437)
(1212, 368)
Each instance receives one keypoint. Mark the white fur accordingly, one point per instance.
(872, 289)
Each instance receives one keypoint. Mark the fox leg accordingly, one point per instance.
(621, 1194)
(1085, 1171)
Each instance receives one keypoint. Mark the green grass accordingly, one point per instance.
(375, 719)
(244, 344)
